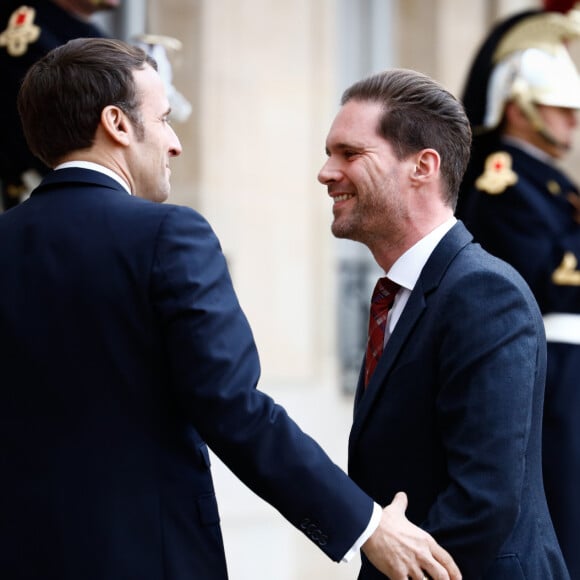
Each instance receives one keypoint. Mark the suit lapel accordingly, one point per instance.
(365, 398)
(429, 280)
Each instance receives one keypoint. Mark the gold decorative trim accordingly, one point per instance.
(497, 175)
(167, 42)
(553, 187)
(545, 31)
(567, 273)
(21, 31)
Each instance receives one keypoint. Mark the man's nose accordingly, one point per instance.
(328, 172)
(175, 148)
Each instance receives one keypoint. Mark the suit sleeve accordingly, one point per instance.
(214, 370)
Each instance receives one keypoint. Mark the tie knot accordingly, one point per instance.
(385, 290)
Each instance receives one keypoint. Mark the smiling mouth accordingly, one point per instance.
(343, 197)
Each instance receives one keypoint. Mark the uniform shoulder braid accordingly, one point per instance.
(20, 31)
(497, 174)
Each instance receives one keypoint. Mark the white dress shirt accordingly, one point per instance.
(407, 269)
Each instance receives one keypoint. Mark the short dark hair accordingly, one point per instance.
(418, 113)
(63, 94)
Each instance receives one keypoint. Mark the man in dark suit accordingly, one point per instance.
(522, 96)
(124, 353)
(452, 412)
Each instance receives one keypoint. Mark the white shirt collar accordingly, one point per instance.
(406, 270)
(96, 167)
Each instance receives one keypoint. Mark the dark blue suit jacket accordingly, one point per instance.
(453, 416)
(123, 351)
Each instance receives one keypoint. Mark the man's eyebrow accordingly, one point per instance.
(342, 146)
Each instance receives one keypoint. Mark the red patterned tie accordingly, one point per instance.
(381, 302)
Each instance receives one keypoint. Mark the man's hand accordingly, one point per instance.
(402, 550)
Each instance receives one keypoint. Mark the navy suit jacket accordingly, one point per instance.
(123, 351)
(453, 415)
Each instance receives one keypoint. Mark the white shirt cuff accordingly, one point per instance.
(368, 532)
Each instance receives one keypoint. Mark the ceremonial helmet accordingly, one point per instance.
(525, 59)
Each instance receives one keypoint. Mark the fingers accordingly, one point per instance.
(436, 571)
(436, 563)
(402, 550)
(444, 558)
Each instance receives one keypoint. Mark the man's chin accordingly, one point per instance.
(341, 231)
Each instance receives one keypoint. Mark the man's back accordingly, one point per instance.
(102, 476)
(123, 351)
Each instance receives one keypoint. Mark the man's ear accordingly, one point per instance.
(426, 165)
(116, 124)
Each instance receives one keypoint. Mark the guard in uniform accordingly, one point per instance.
(521, 96)
(27, 32)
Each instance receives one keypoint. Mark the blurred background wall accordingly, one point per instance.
(264, 78)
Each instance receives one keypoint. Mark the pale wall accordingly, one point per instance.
(259, 75)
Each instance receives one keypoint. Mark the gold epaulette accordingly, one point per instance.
(20, 32)
(497, 175)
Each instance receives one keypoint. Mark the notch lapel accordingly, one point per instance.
(430, 278)
(366, 397)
